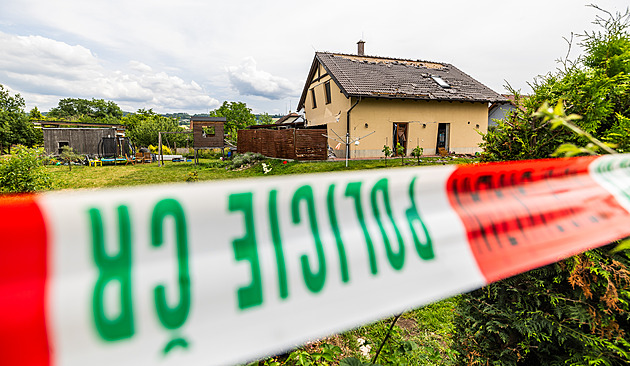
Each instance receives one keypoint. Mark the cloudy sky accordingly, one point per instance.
(191, 55)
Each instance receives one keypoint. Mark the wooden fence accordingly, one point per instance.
(286, 144)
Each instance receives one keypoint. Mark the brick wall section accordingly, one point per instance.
(286, 144)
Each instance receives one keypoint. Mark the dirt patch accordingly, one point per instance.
(409, 325)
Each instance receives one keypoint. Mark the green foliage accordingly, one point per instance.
(15, 127)
(144, 125)
(417, 153)
(237, 115)
(353, 361)
(68, 156)
(325, 355)
(155, 149)
(36, 115)
(558, 118)
(192, 176)
(23, 171)
(264, 119)
(400, 151)
(595, 86)
(243, 160)
(565, 313)
(520, 136)
(576, 311)
(387, 151)
(95, 110)
(208, 130)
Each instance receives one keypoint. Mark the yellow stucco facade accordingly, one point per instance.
(377, 121)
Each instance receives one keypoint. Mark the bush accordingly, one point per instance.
(23, 171)
(573, 312)
(165, 149)
(576, 311)
(208, 153)
(248, 158)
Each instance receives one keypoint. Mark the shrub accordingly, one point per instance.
(165, 150)
(573, 312)
(248, 158)
(417, 153)
(576, 311)
(23, 171)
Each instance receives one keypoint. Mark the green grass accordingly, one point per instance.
(430, 328)
(209, 169)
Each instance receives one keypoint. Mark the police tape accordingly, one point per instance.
(226, 272)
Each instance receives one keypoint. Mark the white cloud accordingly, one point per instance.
(38, 65)
(248, 80)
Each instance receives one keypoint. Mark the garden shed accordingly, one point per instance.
(81, 140)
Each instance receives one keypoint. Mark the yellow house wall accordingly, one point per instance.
(423, 118)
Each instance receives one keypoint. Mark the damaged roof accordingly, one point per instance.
(381, 77)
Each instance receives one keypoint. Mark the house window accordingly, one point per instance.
(327, 91)
(313, 97)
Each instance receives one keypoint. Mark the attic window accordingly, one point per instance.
(313, 98)
(440, 82)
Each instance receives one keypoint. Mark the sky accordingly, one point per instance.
(190, 56)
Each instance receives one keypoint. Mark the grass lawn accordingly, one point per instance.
(211, 169)
(420, 337)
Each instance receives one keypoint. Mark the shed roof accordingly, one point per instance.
(382, 77)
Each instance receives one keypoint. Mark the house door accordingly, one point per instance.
(442, 137)
(400, 137)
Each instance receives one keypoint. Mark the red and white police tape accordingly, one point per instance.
(225, 272)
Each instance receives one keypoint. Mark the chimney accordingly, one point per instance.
(361, 48)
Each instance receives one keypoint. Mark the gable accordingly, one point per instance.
(317, 75)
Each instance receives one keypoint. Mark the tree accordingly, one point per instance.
(237, 115)
(387, 151)
(576, 311)
(400, 151)
(95, 110)
(15, 127)
(68, 156)
(595, 86)
(264, 119)
(144, 125)
(417, 153)
(36, 115)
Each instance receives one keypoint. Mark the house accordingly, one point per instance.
(368, 102)
(500, 109)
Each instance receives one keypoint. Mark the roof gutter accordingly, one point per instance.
(348, 130)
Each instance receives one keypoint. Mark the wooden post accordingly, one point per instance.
(161, 160)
